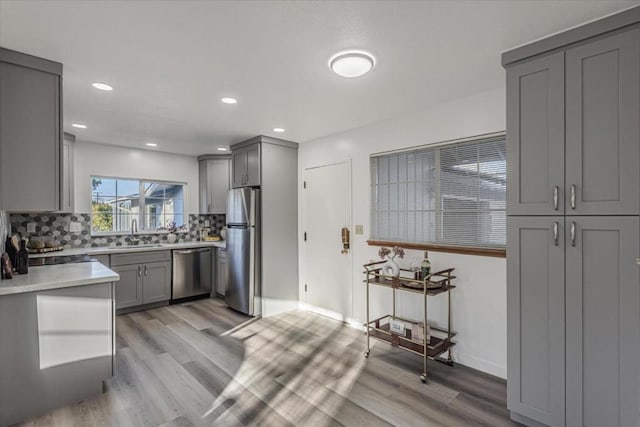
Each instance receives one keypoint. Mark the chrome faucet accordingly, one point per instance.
(134, 229)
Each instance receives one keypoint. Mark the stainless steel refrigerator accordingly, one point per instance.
(243, 251)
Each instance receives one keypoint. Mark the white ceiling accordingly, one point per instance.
(170, 62)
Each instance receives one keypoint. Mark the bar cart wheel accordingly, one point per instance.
(423, 378)
(366, 354)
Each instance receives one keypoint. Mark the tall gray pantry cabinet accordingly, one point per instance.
(573, 233)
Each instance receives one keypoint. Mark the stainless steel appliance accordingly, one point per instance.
(191, 273)
(243, 251)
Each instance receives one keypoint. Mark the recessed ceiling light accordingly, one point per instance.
(102, 86)
(151, 144)
(79, 126)
(279, 130)
(352, 63)
(229, 100)
(222, 149)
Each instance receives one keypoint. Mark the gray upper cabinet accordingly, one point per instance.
(30, 133)
(535, 136)
(535, 326)
(66, 193)
(603, 126)
(598, 108)
(246, 165)
(215, 181)
(603, 320)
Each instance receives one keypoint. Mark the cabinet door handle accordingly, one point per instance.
(145, 270)
(139, 271)
(555, 233)
(573, 234)
(573, 196)
(555, 197)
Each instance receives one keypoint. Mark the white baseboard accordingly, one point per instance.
(331, 314)
(273, 306)
(480, 364)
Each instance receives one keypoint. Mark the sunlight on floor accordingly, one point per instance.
(292, 362)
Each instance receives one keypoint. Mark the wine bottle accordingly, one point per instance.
(22, 258)
(425, 268)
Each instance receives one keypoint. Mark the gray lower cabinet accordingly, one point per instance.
(535, 136)
(535, 327)
(145, 278)
(129, 287)
(156, 282)
(221, 271)
(30, 133)
(56, 349)
(603, 321)
(603, 126)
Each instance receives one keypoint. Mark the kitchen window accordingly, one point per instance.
(115, 202)
(449, 195)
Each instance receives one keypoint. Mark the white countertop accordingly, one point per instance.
(108, 250)
(58, 276)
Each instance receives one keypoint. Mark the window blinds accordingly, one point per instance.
(452, 195)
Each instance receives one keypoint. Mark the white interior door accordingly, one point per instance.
(327, 209)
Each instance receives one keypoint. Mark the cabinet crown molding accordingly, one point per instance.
(576, 34)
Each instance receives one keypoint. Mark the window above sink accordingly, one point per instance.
(116, 202)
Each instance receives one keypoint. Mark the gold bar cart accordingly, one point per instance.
(434, 284)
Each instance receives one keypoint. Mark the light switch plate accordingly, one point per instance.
(207, 223)
(75, 227)
(359, 229)
(31, 227)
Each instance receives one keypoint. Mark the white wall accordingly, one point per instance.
(108, 160)
(479, 302)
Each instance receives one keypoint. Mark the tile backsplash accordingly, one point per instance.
(58, 225)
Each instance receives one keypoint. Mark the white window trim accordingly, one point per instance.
(140, 218)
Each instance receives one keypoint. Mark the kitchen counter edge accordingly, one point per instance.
(57, 277)
(108, 250)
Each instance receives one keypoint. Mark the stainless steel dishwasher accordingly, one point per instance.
(191, 273)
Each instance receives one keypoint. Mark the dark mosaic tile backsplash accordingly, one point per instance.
(58, 225)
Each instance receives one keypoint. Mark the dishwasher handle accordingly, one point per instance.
(192, 251)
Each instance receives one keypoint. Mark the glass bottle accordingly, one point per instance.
(425, 268)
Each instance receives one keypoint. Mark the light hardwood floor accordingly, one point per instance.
(201, 363)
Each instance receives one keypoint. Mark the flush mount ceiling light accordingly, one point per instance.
(79, 126)
(354, 63)
(279, 130)
(222, 149)
(102, 86)
(151, 144)
(227, 100)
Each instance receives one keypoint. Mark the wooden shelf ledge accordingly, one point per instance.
(496, 253)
